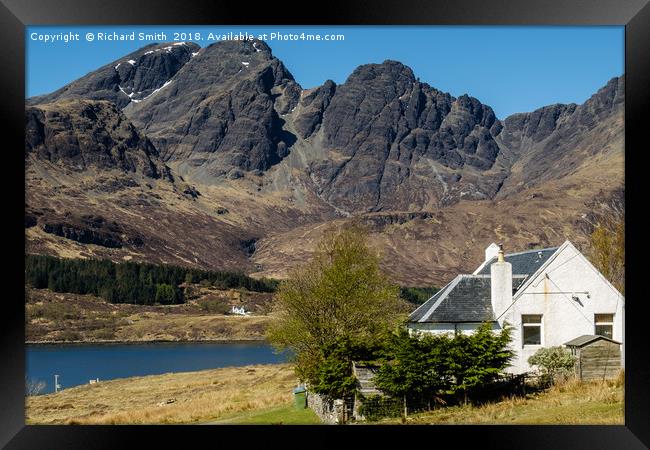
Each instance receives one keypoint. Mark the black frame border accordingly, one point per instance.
(15, 15)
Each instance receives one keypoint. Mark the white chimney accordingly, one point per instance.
(491, 251)
(501, 284)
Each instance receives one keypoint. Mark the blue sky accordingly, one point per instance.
(512, 69)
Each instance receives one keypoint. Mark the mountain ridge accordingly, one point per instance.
(264, 165)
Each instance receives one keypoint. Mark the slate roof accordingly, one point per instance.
(585, 339)
(467, 298)
(523, 263)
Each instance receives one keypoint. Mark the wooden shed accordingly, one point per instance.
(598, 357)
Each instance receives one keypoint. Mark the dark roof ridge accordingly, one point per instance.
(535, 250)
(523, 263)
(487, 275)
(440, 295)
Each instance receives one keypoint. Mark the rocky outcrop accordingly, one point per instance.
(606, 208)
(30, 220)
(554, 141)
(190, 191)
(82, 133)
(248, 246)
(377, 221)
(313, 104)
(381, 141)
(82, 235)
(395, 140)
(535, 126)
(383, 105)
(220, 114)
(129, 79)
(90, 229)
(269, 165)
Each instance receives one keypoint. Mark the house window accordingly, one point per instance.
(532, 329)
(604, 325)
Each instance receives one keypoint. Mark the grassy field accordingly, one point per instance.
(571, 402)
(281, 415)
(262, 394)
(190, 397)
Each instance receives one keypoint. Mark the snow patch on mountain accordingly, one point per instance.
(167, 83)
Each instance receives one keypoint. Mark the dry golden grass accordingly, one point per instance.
(201, 396)
(569, 402)
(459, 233)
(59, 317)
(192, 327)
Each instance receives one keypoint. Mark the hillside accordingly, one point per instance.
(62, 317)
(217, 158)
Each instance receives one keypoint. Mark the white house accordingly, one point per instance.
(549, 296)
(239, 311)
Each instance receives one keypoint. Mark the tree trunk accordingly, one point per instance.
(405, 408)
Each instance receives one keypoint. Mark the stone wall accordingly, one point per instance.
(329, 411)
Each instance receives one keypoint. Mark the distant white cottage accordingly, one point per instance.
(549, 296)
(239, 311)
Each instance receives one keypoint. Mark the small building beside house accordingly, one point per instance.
(597, 357)
(364, 374)
(549, 297)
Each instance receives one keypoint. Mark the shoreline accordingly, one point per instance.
(175, 397)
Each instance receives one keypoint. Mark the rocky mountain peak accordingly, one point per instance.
(400, 141)
(242, 47)
(129, 79)
(81, 134)
(142, 74)
(608, 98)
(426, 170)
(382, 138)
(554, 141)
(388, 71)
(220, 114)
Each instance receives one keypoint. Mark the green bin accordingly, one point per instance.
(300, 398)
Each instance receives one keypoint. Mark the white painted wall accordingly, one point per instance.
(500, 286)
(451, 328)
(563, 319)
(490, 252)
(438, 328)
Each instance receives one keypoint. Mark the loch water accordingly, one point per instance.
(77, 364)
